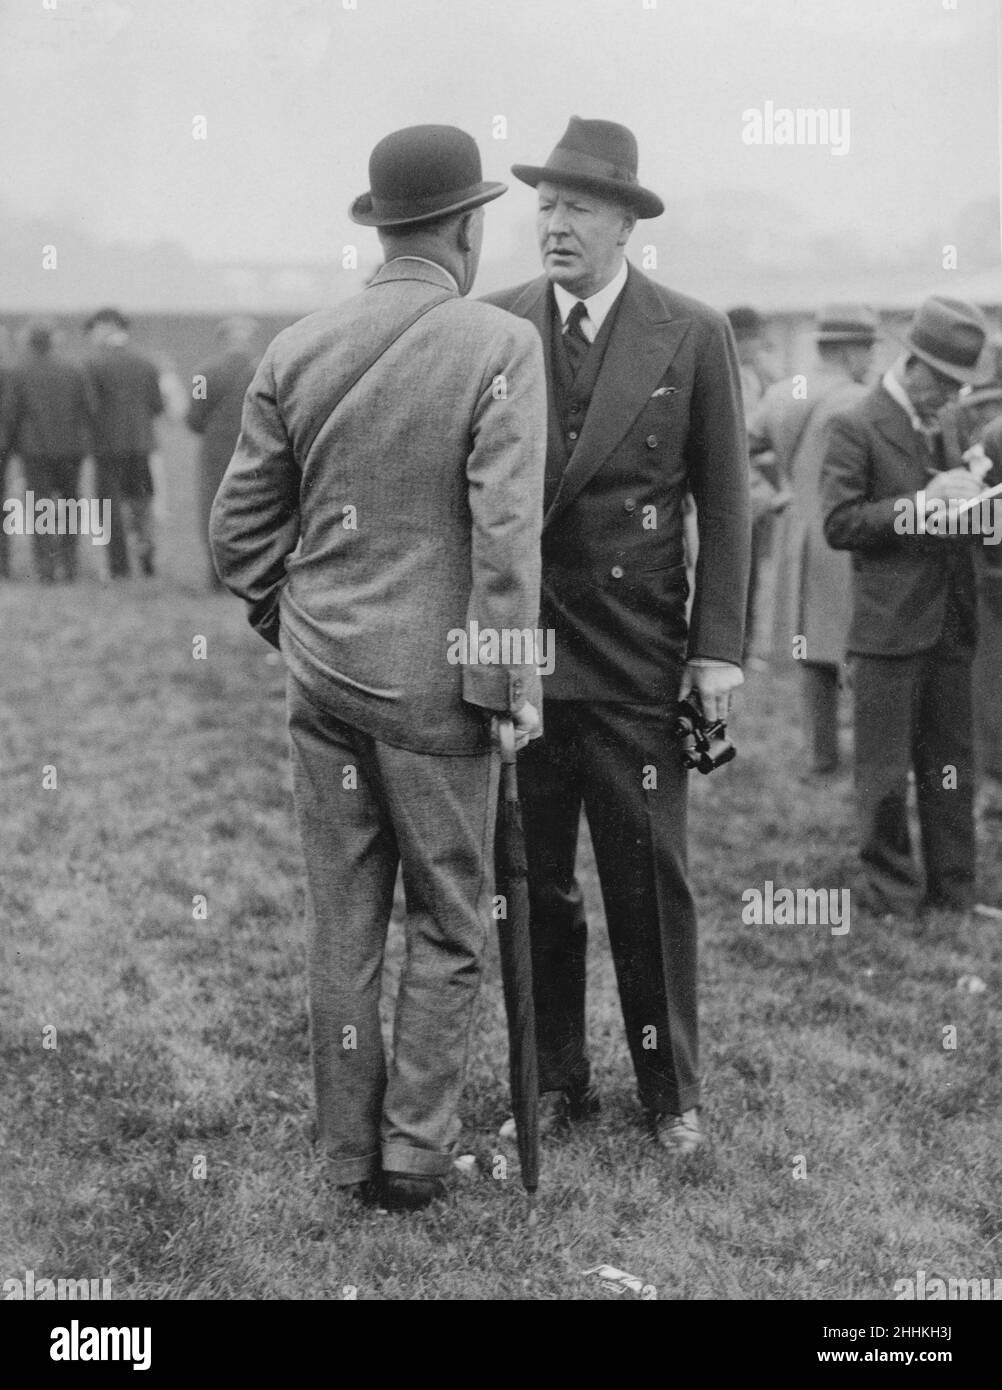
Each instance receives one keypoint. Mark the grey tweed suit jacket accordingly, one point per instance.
(414, 514)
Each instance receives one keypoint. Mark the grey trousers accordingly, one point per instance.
(363, 807)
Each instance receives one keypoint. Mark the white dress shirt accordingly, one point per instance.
(889, 381)
(598, 305)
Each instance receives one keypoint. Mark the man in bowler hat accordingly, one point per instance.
(385, 498)
(913, 629)
(644, 406)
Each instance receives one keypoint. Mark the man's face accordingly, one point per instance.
(581, 238)
(859, 358)
(928, 389)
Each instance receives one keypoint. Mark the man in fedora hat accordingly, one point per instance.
(644, 408)
(385, 494)
(786, 434)
(912, 633)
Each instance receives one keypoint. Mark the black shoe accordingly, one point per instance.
(410, 1191)
(558, 1110)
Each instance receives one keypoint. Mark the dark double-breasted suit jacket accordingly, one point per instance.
(665, 419)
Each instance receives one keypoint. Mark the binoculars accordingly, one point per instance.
(704, 745)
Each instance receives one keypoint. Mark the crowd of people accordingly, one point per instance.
(57, 410)
(589, 455)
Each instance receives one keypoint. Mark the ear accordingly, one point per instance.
(629, 222)
(465, 238)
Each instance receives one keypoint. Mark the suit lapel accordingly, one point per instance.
(896, 428)
(643, 341)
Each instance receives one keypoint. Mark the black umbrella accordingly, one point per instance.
(511, 872)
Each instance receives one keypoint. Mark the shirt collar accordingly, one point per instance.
(426, 261)
(599, 304)
(889, 381)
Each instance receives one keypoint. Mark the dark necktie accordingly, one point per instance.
(575, 342)
(932, 438)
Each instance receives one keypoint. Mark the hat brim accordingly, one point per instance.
(362, 211)
(964, 376)
(643, 202)
(852, 339)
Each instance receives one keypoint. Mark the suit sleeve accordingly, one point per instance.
(505, 490)
(254, 523)
(852, 520)
(717, 461)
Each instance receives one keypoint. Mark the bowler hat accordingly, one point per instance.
(949, 335)
(846, 323)
(601, 158)
(421, 174)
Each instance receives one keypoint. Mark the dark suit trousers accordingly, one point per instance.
(124, 480)
(819, 703)
(435, 816)
(915, 712)
(598, 756)
(53, 478)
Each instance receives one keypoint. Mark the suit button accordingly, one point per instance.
(617, 571)
(575, 410)
(572, 434)
(629, 505)
(652, 441)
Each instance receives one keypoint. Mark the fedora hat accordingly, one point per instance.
(600, 157)
(949, 335)
(420, 174)
(846, 323)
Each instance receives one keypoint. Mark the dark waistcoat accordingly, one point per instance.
(572, 395)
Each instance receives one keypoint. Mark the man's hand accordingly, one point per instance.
(953, 485)
(527, 725)
(713, 684)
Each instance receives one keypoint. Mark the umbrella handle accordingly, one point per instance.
(506, 738)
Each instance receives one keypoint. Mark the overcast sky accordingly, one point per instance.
(98, 99)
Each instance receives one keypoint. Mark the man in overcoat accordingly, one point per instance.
(125, 387)
(384, 503)
(814, 588)
(644, 407)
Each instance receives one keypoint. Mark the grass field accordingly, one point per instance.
(181, 1044)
